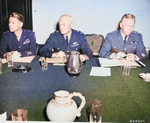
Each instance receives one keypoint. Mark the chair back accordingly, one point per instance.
(38, 47)
(95, 42)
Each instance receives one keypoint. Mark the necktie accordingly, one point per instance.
(67, 40)
(125, 50)
(125, 41)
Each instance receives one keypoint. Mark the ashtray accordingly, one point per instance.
(21, 68)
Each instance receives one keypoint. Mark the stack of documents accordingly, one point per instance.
(104, 62)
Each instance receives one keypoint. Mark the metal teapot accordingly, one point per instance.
(63, 108)
(74, 64)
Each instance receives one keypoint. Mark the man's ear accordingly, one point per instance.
(120, 24)
(21, 24)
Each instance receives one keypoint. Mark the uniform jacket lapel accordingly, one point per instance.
(119, 37)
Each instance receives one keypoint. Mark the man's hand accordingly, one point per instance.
(15, 55)
(130, 57)
(59, 54)
(145, 76)
(5, 55)
(84, 57)
(118, 55)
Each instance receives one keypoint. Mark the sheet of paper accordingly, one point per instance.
(56, 60)
(27, 59)
(99, 71)
(105, 62)
(131, 63)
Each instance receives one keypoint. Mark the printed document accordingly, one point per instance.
(99, 71)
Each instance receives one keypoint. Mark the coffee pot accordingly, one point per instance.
(63, 108)
(74, 64)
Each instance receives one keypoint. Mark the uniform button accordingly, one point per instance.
(19, 46)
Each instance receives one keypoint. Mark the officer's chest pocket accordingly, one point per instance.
(133, 46)
(26, 44)
(75, 47)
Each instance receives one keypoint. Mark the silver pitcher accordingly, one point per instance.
(74, 64)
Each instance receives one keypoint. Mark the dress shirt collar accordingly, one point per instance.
(69, 36)
(123, 35)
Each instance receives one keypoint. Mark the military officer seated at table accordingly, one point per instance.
(21, 42)
(65, 40)
(124, 42)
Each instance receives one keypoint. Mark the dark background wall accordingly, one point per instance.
(23, 7)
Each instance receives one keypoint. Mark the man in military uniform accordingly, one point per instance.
(66, 40)
(124, 42)
(18, 41)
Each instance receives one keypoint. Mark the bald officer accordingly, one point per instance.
(56, 45)
(124, 42)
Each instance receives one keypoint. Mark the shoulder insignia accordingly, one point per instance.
(135, 32)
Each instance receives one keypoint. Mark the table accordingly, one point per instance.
(125, 98)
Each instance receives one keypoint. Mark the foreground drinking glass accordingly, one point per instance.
(9, 59)
(126, 70)
(96, 111)
(44, 65)
(19, 115)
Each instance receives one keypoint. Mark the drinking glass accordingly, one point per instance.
(126, 70)
(19, 115)
(96, 111)
(44, 65)
(9, 59)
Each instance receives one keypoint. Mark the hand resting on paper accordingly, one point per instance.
(59, 54)
(118, 55)
(121, 55)
(130, 57)
(15, 55)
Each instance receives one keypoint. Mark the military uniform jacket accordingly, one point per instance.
(134, 44)
(56, 42)
(26, 46)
